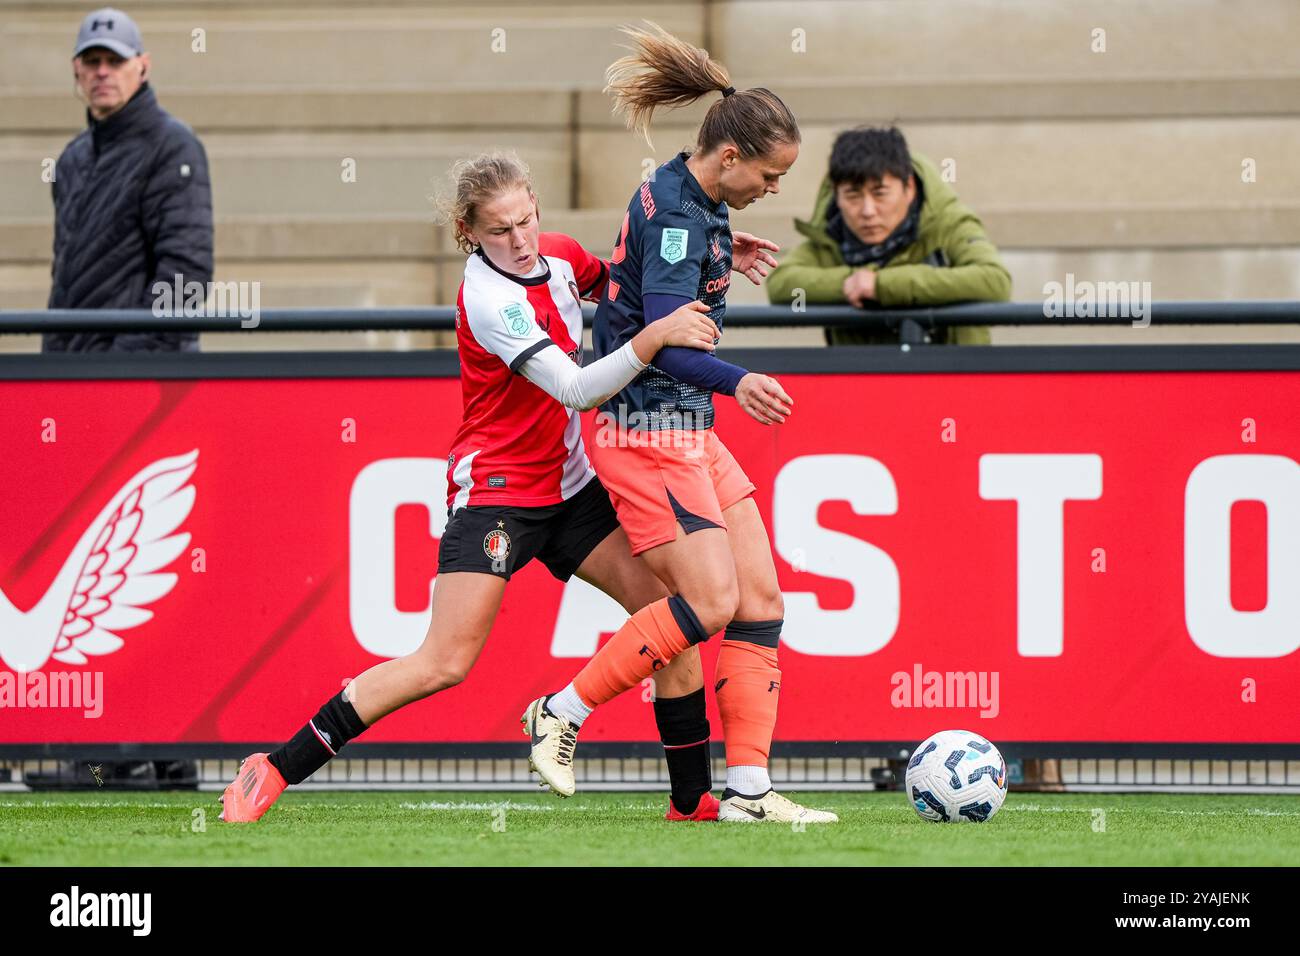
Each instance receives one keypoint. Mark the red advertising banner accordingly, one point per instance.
(1094, 557)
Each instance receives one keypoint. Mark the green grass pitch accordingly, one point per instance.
(451, 829)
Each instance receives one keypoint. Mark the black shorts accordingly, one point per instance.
(501, 539)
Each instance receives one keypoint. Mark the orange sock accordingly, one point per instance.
(651, 638)
(748, 688)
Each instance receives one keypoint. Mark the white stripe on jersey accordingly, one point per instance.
(464, 479)
(498, 325)
(577, 470)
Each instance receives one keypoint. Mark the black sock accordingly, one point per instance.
(684, 730)
(320, 739)
(729, 793)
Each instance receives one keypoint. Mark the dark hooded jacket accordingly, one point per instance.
(132, 207)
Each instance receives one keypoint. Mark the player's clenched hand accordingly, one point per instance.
(763, 399)
(688, 326)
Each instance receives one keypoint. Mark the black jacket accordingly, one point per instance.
(132, 206)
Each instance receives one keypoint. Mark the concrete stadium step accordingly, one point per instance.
(1175, 274)
(905, 99)
(760, 41)
(285, 284)
(1064, 227)
(839, 104)
(524, 46)
(1056, 164)
(299, 174)
(1047, 161)
(415, 237)
(322, 108)
(271, 238)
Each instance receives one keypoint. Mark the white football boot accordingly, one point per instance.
(553, 739)
(771, 807)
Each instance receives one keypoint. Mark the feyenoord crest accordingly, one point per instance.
(573, 287)
(496, 544)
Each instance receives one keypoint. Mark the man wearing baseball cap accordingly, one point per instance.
(132, 206)
(132, 199)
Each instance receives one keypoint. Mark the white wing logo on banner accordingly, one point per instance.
(109, 577)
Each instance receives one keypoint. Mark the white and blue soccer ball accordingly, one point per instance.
(956, 777)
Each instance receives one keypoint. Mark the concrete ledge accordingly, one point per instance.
(875, 100)
(1065, 162)
(383, 238)
(882, 100)
(540, 47)
(393, 107)
(757, 39)
(303, 174)
(760, 40)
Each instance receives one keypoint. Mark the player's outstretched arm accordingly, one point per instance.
(761, 396)
(687, 326)
(586, 387)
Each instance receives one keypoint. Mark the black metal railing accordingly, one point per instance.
(913, 325)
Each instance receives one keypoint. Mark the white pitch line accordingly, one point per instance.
(425, 805)
(510, 805)
(92, 805)
(125, 805)
(1036, 808)
(466, 805)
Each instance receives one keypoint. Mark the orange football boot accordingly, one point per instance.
(706, 809)
(254, 789)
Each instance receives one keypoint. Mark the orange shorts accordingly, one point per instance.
(659, 480)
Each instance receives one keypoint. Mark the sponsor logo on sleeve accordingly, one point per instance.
(672, 245)
(516, 320)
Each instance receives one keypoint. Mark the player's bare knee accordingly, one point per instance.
(440, 675)
(715, 608)
(770, 607)
(642, 591)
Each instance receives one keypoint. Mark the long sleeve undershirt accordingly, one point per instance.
(692, 366)
(582, 386)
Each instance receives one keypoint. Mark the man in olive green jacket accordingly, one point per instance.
(887, 228)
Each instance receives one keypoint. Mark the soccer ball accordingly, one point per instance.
(956, 777)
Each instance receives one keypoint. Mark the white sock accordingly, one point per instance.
(751, 781)
(569, 705)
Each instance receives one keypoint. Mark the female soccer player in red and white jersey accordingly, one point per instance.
(684, 502)
(520, 485)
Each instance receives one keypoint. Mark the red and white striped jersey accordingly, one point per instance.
(516, 444)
